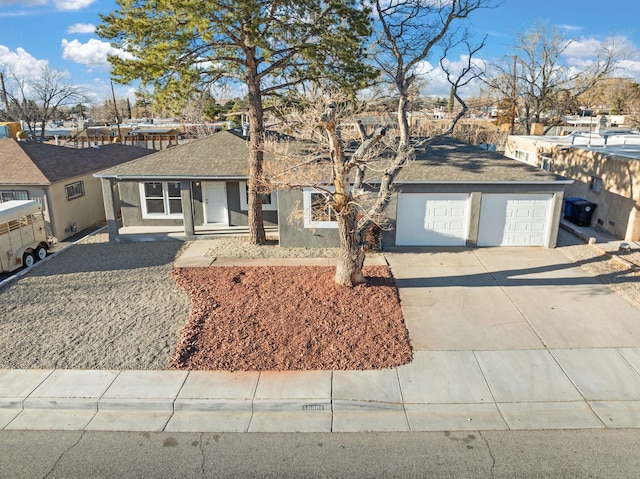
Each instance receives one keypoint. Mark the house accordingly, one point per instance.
(454, 194)
(605, 166)
(61, 179)
(206, 179)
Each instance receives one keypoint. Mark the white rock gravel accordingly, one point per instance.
(99, 305)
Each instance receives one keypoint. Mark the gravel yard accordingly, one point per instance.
(96, 305)
(115, 306)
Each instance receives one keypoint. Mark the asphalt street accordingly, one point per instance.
(496, 454)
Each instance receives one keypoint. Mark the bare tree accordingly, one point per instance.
(37, 101)
(411, 31)
(617, 95)
(537, 85)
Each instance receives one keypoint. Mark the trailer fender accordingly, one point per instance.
(22, 252)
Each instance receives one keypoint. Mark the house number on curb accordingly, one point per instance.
(313, 407)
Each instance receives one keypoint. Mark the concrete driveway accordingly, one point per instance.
(507, 299)
(514, 337)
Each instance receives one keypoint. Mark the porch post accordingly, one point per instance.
(109, 209)
(187, 207)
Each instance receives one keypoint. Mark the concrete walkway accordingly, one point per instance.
(503, 338)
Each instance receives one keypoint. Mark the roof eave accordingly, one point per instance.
(138, 177)
(488, 182)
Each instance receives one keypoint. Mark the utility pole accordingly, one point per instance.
(4, 96)
(115, 109)
(513, 95)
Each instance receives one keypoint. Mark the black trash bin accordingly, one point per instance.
(569, 203)
(581, 212)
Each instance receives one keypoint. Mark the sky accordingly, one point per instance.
(61, 34)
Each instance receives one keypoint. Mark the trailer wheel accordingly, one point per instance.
(41, 252)
(28, 259)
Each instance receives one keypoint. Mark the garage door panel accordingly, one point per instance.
(432, 219)
(514, 220)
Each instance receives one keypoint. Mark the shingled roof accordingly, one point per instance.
(225, 155)
(31, 163)
(221, 155)
(448, 160)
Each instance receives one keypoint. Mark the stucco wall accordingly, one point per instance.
(132, 210)
(83, 211)
(292, 230)
(617, 201)
(293, 234)
(238, 216)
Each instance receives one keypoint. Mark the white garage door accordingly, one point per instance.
(432, 219)
(514, 220)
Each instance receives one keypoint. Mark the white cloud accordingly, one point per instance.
(436, 78)
(569, 28)
(64, 5)
(81, 28)
(72, 4)
(92, 54)
(583, 51)
(629, 69)
(583, 48)
(21, 63)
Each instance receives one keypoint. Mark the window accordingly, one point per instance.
(74, 190)
(269, 202)
(545, 163)
(320, 210)
(8, 195)
(522, 155)
(595, 184)
(317, 213)
(161, 199)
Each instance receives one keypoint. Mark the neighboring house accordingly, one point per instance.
(453, 194)
(201, 183)
(61, 179)
(605, 167)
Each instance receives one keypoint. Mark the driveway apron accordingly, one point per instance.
(460, 299)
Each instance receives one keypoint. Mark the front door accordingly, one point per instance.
(215, 203)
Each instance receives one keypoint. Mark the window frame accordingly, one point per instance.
(8, 195)
(517, 153)
(595, 184)
(244, 206)
(77, 188)
(166, 199)
(308, 213)
(545, 162)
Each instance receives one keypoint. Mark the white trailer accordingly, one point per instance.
(23, 239)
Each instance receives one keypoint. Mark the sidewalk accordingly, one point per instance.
(504, 338)
(438, 391)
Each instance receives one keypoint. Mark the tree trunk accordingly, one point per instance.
(256, 155)
(403, 117)
(351, 256)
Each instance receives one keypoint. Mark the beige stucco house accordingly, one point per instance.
(606, 169)
(61, 179)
